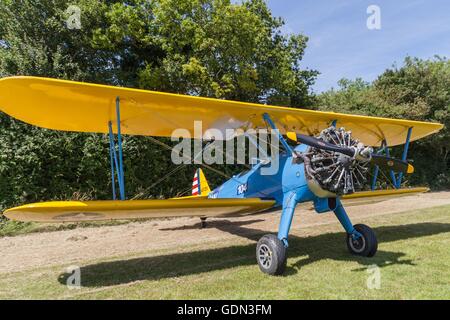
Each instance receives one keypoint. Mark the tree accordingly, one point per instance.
(201, 47)
(418, 90)
(207, 47)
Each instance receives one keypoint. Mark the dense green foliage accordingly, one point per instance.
(204, 47)
(418, 90)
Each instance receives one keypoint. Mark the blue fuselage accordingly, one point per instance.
(255, 183)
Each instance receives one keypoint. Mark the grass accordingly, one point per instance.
(413, 257)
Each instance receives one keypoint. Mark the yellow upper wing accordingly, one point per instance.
(74, 106)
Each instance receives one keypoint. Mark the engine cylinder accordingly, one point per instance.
(333, 172)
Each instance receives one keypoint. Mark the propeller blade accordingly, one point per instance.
(392, 164)
(320, 144)
(379, 160)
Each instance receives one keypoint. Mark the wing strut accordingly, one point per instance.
(116, 159)
(396, 181)
(269, 121)
(404, 155)
(113, 159)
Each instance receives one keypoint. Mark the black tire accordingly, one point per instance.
(271, 255)
(366, 245)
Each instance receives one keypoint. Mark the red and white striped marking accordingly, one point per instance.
(195, 185)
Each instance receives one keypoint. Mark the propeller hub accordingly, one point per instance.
(345, 160)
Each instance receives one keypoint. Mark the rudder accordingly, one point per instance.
(199, 184)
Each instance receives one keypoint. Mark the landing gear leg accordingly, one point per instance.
(271, 250)
(361, 239)
(203, 222)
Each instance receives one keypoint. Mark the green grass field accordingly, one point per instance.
(413, 257)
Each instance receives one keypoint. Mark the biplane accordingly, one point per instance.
(323, 157)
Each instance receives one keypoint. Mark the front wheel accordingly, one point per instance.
(366, 245)
(271, 255)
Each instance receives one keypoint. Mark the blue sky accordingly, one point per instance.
(341, 45)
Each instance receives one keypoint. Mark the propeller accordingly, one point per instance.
(392, 163)
(360, 153)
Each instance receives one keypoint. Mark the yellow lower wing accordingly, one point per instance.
(366, 197)
(73, 211)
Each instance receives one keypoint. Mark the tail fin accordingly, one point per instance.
(200, 186)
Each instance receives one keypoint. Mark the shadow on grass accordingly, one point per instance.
(306, 250)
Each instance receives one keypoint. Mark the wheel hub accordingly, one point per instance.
(358, 244)
(265, 256)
